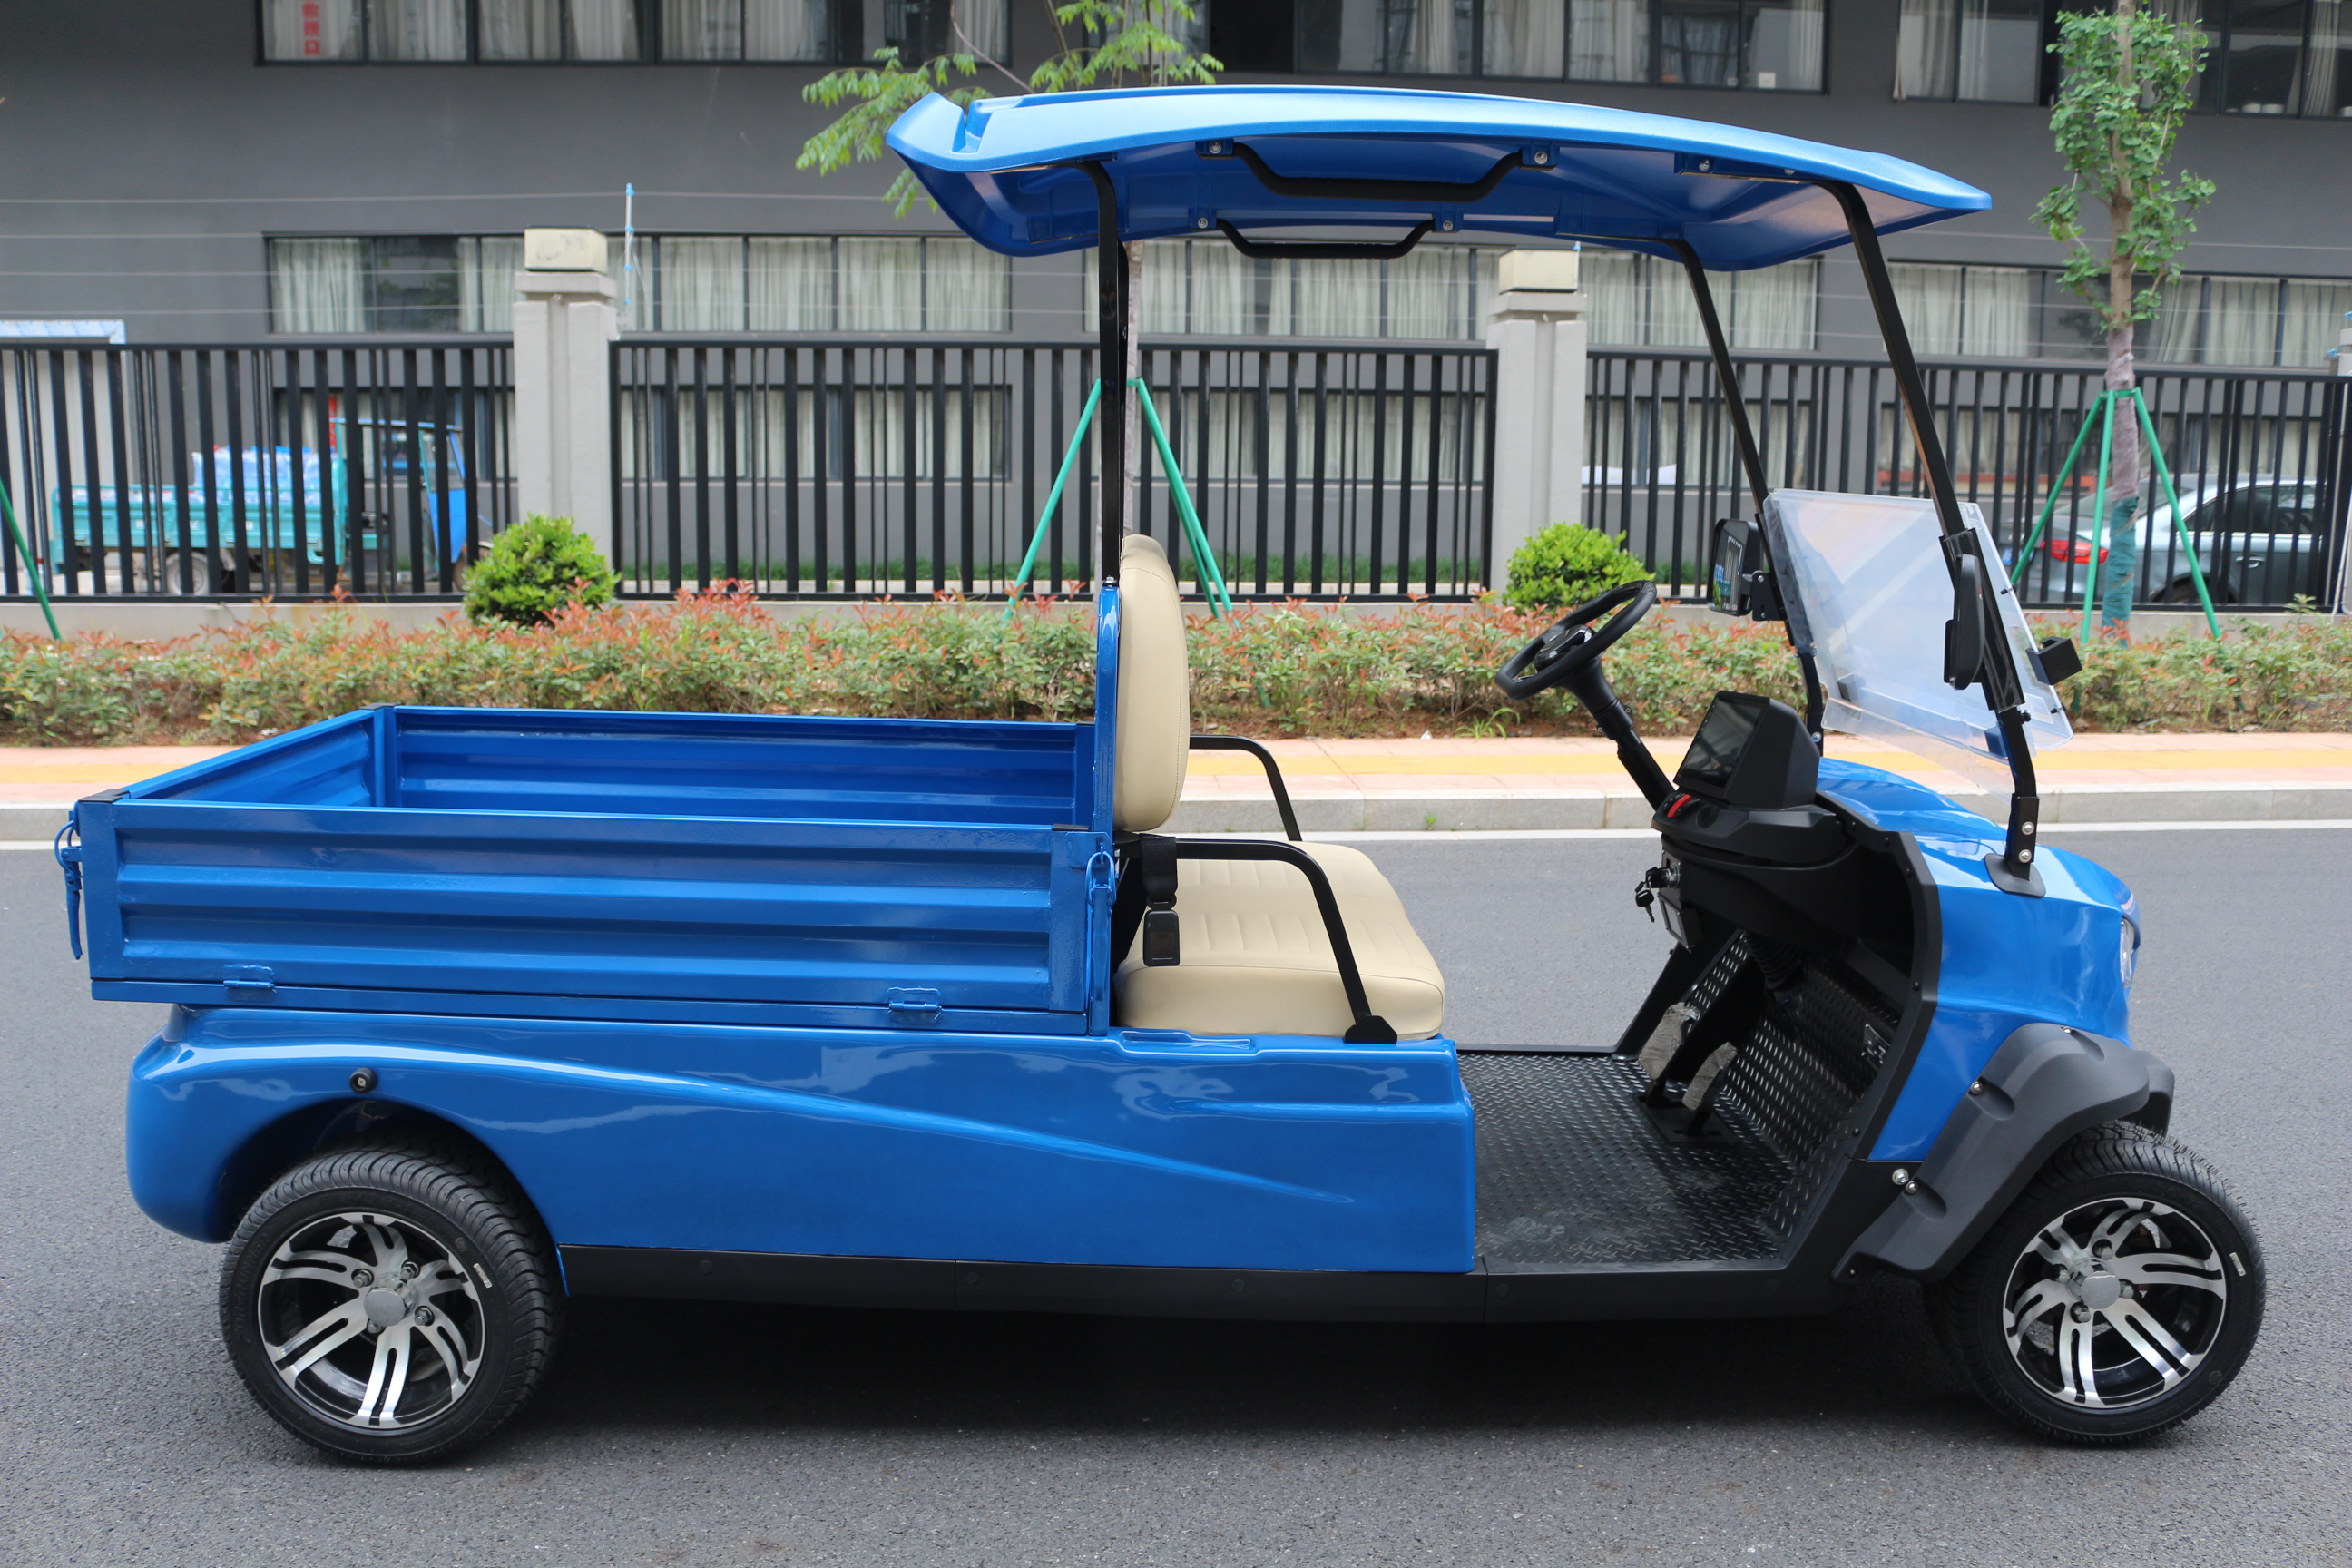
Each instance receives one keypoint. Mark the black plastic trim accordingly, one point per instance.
(2044, 1085)
(1324, 250)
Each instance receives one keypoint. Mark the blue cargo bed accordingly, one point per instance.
(712, 868)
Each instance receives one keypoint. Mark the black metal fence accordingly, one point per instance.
(242, 472)
(843, 470)
(2261, 462)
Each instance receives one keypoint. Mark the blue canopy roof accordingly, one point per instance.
(1186, 160)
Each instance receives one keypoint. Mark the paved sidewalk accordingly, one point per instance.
(1391, 785)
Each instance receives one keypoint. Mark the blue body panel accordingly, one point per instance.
(2006, 960)
(1001, 170)
(1131, 1149)
(824, 871)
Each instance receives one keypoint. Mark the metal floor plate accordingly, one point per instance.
(1571, 1173)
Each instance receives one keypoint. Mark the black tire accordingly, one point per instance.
(414, 1366)
(2158, 1287)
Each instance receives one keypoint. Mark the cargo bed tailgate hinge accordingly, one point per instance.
(69, 862)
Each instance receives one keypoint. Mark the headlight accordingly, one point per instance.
(2127, 953)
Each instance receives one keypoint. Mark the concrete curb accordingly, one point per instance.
(1350, 810)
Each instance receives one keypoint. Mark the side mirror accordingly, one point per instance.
(1964, 633)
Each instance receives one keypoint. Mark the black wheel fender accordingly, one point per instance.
(2044, 1085)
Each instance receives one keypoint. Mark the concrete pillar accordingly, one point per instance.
(1538, 335)
(564, 315)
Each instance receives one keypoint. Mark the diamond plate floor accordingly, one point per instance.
(1572, 1174)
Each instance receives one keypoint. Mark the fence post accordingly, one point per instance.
(1538, 333)
(563, 318)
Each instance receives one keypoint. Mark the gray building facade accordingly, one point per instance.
(229, 172)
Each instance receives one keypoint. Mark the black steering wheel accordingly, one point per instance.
(1572, 644)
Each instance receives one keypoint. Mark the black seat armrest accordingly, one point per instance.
(1273, 773)
(1369, 1028)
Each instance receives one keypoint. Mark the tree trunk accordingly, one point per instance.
(2128, 467)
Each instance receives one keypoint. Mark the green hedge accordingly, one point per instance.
(1283, 670)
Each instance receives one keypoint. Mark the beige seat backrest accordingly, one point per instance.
(1155, 690)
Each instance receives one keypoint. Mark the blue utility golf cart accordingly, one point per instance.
(474, 1010)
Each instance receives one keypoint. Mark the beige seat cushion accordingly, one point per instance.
(1257, 960)
(1155, 690)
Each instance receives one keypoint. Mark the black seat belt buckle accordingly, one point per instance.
(1161, 944)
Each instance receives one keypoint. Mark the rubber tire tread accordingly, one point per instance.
(2102, 1154)
(452, 1180)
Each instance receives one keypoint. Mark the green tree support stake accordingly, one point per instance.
(1212, 581)
(1053, 500)
(32, 569)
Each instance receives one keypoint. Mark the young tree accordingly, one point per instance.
(1103, 43)
(2125, 88)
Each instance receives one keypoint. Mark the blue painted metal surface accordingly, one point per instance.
(823, 872)
(1131, 1149)
(1737, 196)
(2006, 960)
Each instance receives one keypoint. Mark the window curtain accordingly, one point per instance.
(2314, 318)
(1930, 298)
(1925, 66)
(604, 29)
(1225, 290)
(1526, 37)
(2264, 74)
(2328, 73)
(1612, 283)
(983, 21)
(485, 289)
(791, 286)
(416, 30)
(311, 29)
(1424, 37)
(1673, 314)
(1609, 40)
(1997, 313)
(522, 29)
(784, 30)
(702, 30)
(1784, 47)
(1160, 311)
(1281, 282)
(2241, 320)
(1425, 292)
(1339, 298)
(2171, 338)
(2001, 51)
(1775, 308)
(701, 284)
(966, 289)
(318, 285)
(881, 285)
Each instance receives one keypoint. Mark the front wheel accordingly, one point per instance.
(2117, 1297)
(390, 1303)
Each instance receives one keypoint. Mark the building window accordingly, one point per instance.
(1772, 46)
(1979, 51)
(1967, 312)
(679, 283)
(683, 32)
(2277, 56)
(2255, 322)
(1640, 301)
(1207, 289)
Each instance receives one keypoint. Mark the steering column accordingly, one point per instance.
(1569, 654)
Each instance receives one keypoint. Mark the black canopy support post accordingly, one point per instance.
(1734, 401)
(1110, 420)
(2013, 871)
(1751, 456)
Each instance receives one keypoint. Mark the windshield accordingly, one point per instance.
(1868, 595)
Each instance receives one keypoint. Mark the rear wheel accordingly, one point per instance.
(2117, 1297)
(390, 1303)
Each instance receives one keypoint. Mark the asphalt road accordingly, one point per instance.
(689, 1434)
